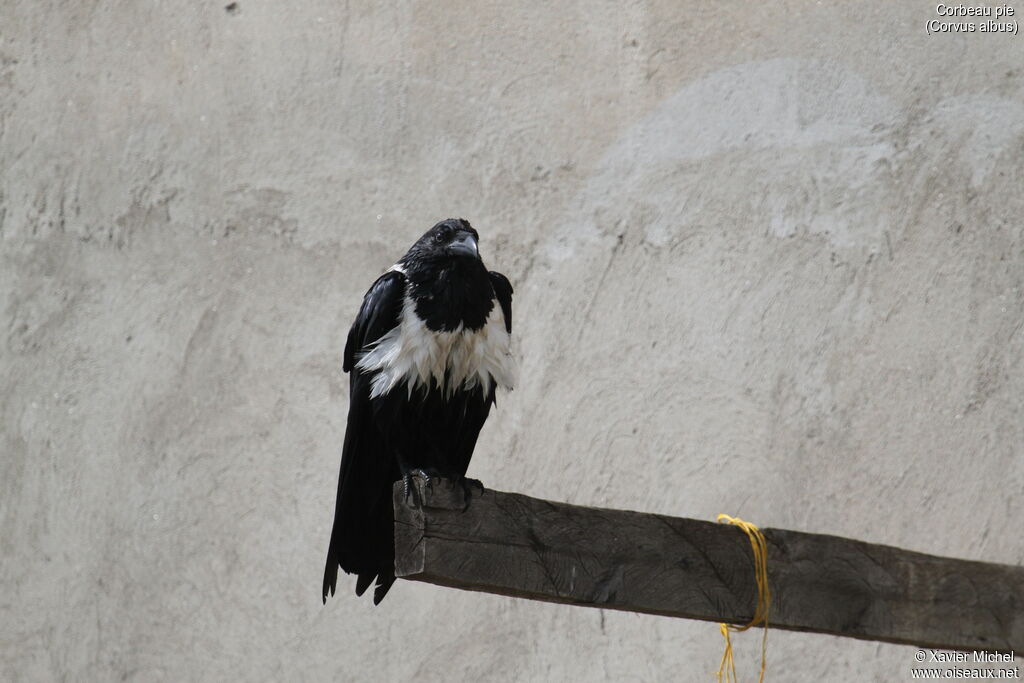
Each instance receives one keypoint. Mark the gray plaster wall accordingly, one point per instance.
(768, 261)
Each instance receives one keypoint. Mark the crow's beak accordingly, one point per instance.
(464, 245)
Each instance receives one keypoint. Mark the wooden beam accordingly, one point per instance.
(511, 544)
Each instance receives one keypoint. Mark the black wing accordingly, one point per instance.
(362, 537)
(382, 306)
(503, 291)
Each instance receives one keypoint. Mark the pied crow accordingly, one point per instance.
(426, 353)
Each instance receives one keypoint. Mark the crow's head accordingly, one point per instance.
(450, 240)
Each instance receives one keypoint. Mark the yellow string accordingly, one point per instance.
(764, 601)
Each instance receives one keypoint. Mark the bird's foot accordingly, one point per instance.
(468, 485)
(427, 475)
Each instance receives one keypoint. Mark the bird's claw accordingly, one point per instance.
(469, 484)
(427, 475)
(467, 489)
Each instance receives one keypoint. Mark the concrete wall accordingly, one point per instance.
(768, 261)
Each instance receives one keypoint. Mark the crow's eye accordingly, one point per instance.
(441, 236)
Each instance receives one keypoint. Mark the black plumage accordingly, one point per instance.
(425, 354)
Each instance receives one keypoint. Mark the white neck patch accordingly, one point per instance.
(459, 359)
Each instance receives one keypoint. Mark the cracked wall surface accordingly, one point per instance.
(768, 261)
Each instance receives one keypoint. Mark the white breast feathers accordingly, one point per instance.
(458, 359)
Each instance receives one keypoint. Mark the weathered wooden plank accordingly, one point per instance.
(512, 544)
